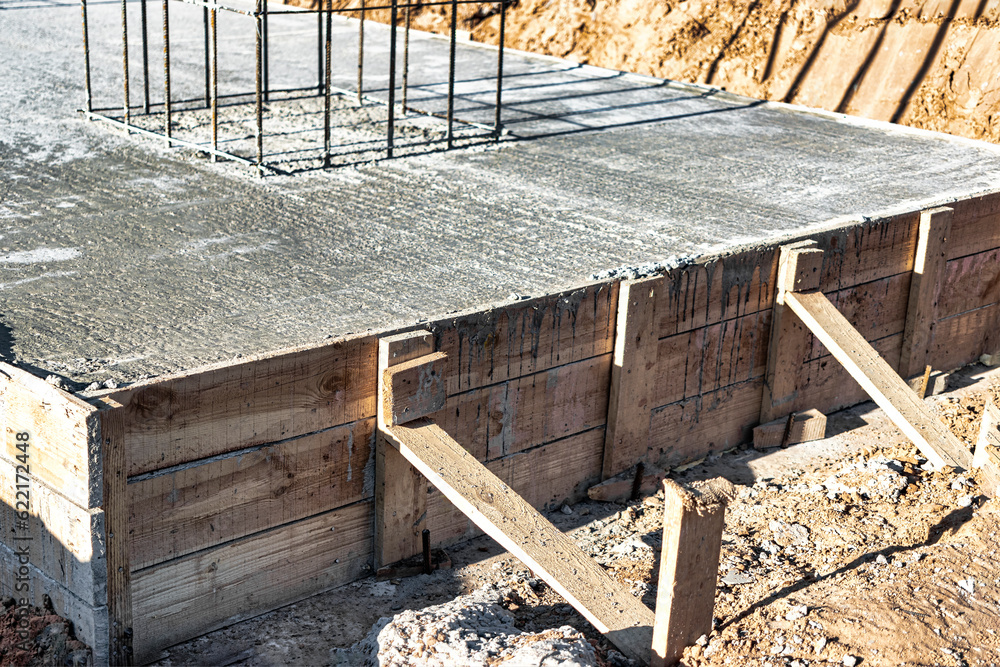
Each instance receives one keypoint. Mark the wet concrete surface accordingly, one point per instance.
(121, 258)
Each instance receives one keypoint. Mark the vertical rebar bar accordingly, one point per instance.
(166, 69)
(259, 76)
(208, 61)
(497, 126)
(406, 54)
(128, 115)
(326, 85)
(86, 56)
(393, 14)
(145, 58)
(266, 73)
(425, 538)
(361, 52)
(319, 46)
(451, 75)
(215, 85)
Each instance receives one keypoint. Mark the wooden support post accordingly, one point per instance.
(692, 541)
(925, 289)
(522, 530)
(400, 490)
(791, 430)
(633, 374)
(799, 267)
(987, 457)
(879, 380)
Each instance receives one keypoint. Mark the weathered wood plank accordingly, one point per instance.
(695, 427)
(705, 359)
(114, 456)
(866, 252)
(987, 456)
(413, 389)
(262, 400)
(925, 289)
(222, 499)
(961, 339)
(975, 226)
(525, 412)
(693, 520)
(632, 374)
(797, 427)
(64, 435)
(400, 490)
(210, 589)
(520, 529)
(879, 380)
(527, 337)
(799, 267)
(90, 623)
(970, 282)
(65, 542)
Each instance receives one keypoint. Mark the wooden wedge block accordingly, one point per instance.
(414, 389)
(619, 488)
(693, 519)
(791, 430)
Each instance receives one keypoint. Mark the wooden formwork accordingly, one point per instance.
(183, 504)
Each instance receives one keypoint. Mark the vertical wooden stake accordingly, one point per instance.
(693, 520)
(987, 456)
(632, 375)
(114, 455)
(925, 289)
(799, 268)
(400, 490)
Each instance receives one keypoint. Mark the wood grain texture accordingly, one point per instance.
(413, 389)
(987, 456)
(400, 490)
(862, 253)
(65, 452)
(63, 541)
(520, 529)
(975, 226)
(925, 289)
(876, 309)
(633, 374)
(229, 497)
(527, 337)
(216, 587)
(961, 339)
(804, 427)
(970, 282)
(689, 565)
(191, 417)
(879, 380)
(799, 267)
(114, 456)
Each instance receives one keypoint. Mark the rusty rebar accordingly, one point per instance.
(208, 61)
(406, 56)
(327, 91)
(128, 115)
(145, 57)
(259, 76)
(451, 74)
(392, 80)
(166, 69)
(497, 126)
(640, 470)
(320, 13)
(361, 53)
(264, 54)
(215, 85)
(86, 56)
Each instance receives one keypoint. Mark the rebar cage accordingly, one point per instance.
(312, 148)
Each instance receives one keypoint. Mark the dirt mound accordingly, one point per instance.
(933, 65)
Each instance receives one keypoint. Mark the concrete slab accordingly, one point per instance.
(121, 259)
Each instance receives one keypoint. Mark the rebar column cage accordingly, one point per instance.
(258, 13)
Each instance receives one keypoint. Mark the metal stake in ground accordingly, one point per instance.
(215, 86)
(319, 48)
(503, 20)
(361, 51)
(264, 54)
(259, 74)
(326, 85)
(86, 56)
(208, 60)
(406, 54)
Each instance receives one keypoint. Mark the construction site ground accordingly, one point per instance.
(842, 551)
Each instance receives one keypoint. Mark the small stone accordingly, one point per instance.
(734, 578)
(968, 585)
(965, 501)
(850, 661)
(881, 560)
(797, 612)
(93, 386)
(819, 645)
(702, 641)
(566, 509)
(110, 384)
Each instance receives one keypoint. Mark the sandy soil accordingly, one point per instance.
(932, 65)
